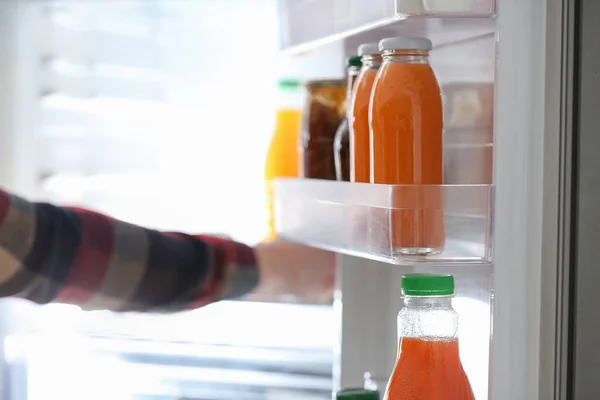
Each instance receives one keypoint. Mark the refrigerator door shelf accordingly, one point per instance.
(309, 23)
(388, 222)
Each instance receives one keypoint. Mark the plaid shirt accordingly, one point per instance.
(76, 256)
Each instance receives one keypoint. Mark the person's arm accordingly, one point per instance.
(52, 254)
(293, 272)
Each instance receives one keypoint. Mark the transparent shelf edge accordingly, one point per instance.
(303, 46)
(396, 224)
(308, 25)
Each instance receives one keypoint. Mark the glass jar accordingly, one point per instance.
(322, 115)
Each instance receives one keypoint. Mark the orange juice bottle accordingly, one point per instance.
(282, 155)
(406, 122)
(428, 366)
(358, 115)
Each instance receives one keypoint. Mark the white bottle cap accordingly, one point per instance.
(366, 49)
(405, 43)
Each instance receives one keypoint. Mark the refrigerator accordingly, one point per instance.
(520, 242)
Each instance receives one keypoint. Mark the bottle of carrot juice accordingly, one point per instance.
(428, 366)
(406, 125)
(358, 114)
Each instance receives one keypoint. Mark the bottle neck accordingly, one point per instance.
(352, 75)
(428, 302)
(371, 61)
(428, 318)
(406, 56)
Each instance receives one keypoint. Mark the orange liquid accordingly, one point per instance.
(406, 149)
(429, 370)
(360, 167)
(282, 157)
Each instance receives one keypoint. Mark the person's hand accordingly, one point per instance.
(293, 272)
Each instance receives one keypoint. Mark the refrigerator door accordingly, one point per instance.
(530, 355)
(581, 324)
(527, 280)
(530, 277)
(527, 176)
(524, 298)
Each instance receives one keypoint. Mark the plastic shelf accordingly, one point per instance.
(308, 23)
(398, 224)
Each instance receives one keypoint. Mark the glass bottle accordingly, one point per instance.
(406, 124)
(342, 136)
(322, 115)
(358, 115)
(428, 364)
(282, 154)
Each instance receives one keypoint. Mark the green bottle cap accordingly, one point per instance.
(357, 394)
(428, 285)
(288, 84)
(354, 61)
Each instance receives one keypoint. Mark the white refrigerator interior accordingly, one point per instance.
(500, 73)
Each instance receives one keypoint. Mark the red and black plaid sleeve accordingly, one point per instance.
(53, 254)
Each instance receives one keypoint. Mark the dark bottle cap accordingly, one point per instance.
(354, 61)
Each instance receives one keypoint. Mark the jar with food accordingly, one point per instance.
(324, 111)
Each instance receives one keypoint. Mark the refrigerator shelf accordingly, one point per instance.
(306, 24)
(398, 224)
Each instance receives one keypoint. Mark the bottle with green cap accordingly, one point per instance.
(357, 394)
(428, 348)
(341, 143)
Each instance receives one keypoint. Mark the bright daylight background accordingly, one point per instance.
(176, 132)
